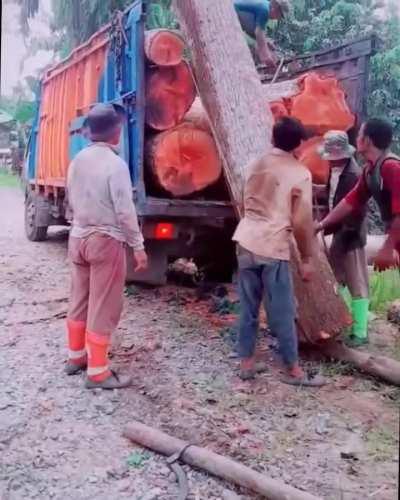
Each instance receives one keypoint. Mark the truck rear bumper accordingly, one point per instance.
(158, 207)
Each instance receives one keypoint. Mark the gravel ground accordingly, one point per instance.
(58, 440)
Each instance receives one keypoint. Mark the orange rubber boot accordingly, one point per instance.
(76, 343)
(97, 348)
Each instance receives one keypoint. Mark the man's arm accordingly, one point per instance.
(388, 255)
(121, 194)
(355, 201)
(69, 212)
(264, 52)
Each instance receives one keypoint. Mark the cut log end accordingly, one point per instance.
(184, 160)
(170, 91)
(164, 47)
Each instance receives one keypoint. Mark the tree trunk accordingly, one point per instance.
(184, 160)
(170, 91)
(228, 84)
(217, 465)
(164, 47)
(233, 96)
(322, 314)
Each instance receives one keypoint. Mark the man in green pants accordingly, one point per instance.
(254, 16)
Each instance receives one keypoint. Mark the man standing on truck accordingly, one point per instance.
(277, 202)
(104, 222)
(381, 180)
(347, 253)
(254, 16)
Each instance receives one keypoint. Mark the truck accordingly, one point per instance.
(110, 67)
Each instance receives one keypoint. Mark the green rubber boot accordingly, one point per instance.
(359, 330)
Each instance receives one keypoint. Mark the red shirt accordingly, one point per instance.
(390, 173)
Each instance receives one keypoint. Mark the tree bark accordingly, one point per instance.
(217, 465)
(233, 97)
(321, 312)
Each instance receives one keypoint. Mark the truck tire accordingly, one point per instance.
(33, 231)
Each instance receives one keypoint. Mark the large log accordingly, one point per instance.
(220, 466)
(234, 99)
(326, 323)
(164, 47)
(184, 160)
(170, 91)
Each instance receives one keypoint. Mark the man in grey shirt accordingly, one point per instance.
(104, 222)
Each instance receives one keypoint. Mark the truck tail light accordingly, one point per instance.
(164, 231)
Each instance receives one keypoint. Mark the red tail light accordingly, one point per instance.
(164, 231)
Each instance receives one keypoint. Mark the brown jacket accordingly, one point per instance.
(277, 204)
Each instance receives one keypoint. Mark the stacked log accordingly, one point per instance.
(181, 154)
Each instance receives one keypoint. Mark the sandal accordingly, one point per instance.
(306, 381)
(114, 381)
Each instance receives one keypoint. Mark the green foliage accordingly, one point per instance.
(160, 15)
(21, 110)
(137, 459)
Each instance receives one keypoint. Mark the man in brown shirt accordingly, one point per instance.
(277, 205)
(104, 222)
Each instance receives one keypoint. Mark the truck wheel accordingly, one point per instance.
(32, 230)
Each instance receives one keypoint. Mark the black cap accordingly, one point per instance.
(103, 119)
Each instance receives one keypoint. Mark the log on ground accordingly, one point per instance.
(184, 160)
(170, 91)
(164, 47)
(381, 367)
(217, 465)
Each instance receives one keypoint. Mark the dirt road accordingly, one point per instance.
(58, 440)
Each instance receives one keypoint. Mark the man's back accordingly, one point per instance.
(273, 184)
(100, 195)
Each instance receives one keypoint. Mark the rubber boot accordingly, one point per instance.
(76, 342)
(359, 331)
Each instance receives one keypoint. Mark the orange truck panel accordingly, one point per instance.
(68, 91)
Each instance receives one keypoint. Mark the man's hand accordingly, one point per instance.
(141, 260)
(306, 270)
(387, 258)
(318, 227)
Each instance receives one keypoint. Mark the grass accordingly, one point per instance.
(381, 444)
(8, 180)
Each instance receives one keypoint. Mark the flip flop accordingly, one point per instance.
(306, 381)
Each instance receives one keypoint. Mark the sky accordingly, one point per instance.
(13, 49)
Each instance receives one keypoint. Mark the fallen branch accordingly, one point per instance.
(378, 366)
(213, 463)
(59, 315)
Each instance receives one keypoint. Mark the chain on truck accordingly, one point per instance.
(110, 67)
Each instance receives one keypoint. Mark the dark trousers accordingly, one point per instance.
(268, 281)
